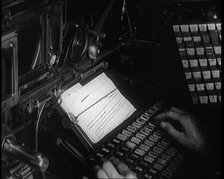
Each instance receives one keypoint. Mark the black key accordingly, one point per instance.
(162, 161)
(137, 125)
(134, 157)
(115, 141)
(157, 166)
(143, 164)
(153, 138)
(129, 161)
(144, 147)
(135, 140)
(140, 121)
(122, 137)
(157, 134)
(147, 176)
(152, 171)
(99, 155)
(140, 136)
(167, 174)
(125, 149)
(144, 117)
(162, 145)
(166, 156)
(140, 152)
(131, 128)
(149, 127)
(111, 146)
(153, 154)
(149, 159)
(157, 150)
(130, 145)
(127, 133)
(170, 152)
(149, 143)
(119, 154)
(145, 131)
(105, 150)
(138, 169)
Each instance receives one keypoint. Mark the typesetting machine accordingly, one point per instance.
(44, 52)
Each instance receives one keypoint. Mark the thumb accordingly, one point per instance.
(172, 131)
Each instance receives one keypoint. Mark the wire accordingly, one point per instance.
(37, 126)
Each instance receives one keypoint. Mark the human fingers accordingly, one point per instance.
(177, 109)
(179, 136)
(100, 173)
(171, 114)
(122, 168)
(110, 170)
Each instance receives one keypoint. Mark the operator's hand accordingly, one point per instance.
(114, 168)
(190, 136)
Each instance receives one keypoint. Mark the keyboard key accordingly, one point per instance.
(115, 141)
(166, 157)
(122, 137)
(166, 142)
(149, 143)
(145, 131)
(194, 28)
(217, 50)
(140, 152)
(200, 51)
(167, 174)
(184, 28)
(143, 164)
(149, 127)
(157, 150)
(110, 145)
(99, 155)
(105, 150)
(157, 134)
(140, 136)
(129, 161)
(152, 171)
(147, 176)
(153, 138)
(135, 140)
(171, 169)
(212, 61)
(119, 154)
(203, 99)
(170, 152)
(162, 161)
(144, 147)
(176, 28)
(125, 149)
(137, 125)
(150, 112)
(131, 128)
(162, 145)
(134, 157)
(144, 117)
(127, 133)
(148, 159)
(138, 169)
(153, 154)
(130, 145)
(203, 27)
(157, 166)
(140, 121)
(203, 62)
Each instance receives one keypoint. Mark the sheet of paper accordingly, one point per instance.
(98, 106)
(105, 115)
